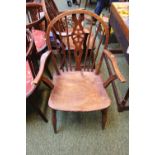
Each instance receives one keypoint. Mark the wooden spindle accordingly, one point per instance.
(100, 63)
(91, 56)
(63, 48)
(97, 51)
(87, 44)
(68, 43)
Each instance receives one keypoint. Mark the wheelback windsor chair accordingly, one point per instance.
(77, 83)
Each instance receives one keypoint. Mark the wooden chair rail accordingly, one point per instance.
(109, 80)
(47, 82)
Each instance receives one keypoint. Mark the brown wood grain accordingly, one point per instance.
(78, 91)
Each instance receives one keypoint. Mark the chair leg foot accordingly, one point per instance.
(40, 113)
(54, 120)
(104, 117)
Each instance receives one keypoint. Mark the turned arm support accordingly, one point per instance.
(40, 76)
(113, 60)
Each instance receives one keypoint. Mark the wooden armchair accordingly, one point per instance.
(31, 71)
(77, 82)
(36, 23)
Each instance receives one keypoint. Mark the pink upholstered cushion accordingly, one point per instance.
(29, 79)
(39, 39)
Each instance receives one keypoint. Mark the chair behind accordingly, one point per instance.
(35, 16)
(37, 24)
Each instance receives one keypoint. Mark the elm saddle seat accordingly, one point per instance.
(78, 91)
(77, 83)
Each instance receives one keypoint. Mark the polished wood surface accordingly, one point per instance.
(78, 91)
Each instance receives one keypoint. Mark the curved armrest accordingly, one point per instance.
(41, 68)
(113, 60)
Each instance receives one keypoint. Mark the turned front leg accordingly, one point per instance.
(54, 120)
(104, 117)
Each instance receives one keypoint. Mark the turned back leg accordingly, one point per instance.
(39, 112)
(104, 117)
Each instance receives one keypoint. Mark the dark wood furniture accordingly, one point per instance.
(119, 21)
(31, 71)
(36, 23)
(77, 82)
(50, 9)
